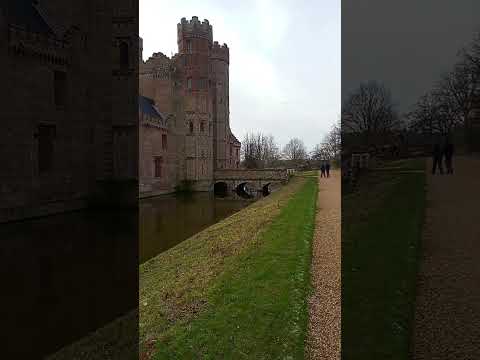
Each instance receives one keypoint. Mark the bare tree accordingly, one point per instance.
(456, 92)
(295, 150)
(452, 100)
(369, 111)
(330, 146)
(430, 116)
(259, 151)
(271, 151)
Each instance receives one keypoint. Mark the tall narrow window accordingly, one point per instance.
(191, 127)
(164, 142)
(189, 83)
(60, 88)
(202, 126)
(189, 46)
(158, 162)
(46, 137)
(123, 49)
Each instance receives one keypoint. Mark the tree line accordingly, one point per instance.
(451, 101)
(369, 115)
(262, 151)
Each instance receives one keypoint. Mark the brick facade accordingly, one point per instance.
(192, 87)
(157, 153)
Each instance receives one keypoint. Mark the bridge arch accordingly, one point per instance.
(245, 190)
(220, 189)
(266, 189)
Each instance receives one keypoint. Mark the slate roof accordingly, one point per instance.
(23, 13)
(147, 106)
(234, 139)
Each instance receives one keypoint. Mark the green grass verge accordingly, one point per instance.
(257, 307)
(381, 233)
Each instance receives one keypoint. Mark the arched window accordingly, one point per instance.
(123, 49)
(202, 126)
(191, 127)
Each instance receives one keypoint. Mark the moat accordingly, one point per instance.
(167, 220)
(65, 270)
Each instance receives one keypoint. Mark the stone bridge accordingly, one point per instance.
(248, 183)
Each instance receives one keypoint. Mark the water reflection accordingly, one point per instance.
(64, 276)
(167, 220)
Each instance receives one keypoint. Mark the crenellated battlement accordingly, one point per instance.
(159, 55)
(193, 85)
(194, 28)
(220, 52)
(156, 64)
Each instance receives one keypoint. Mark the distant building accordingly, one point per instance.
(69, 128)
(191, 89)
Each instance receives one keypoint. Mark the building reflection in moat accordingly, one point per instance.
(65, 276)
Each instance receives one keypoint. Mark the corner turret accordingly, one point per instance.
(220, 52)
(193, 29)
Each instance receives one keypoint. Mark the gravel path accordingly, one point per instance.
(447, 315)
(325, 304)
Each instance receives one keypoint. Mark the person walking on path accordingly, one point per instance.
(437, 159)
(448, 152)
(322, 170)
(327, 168)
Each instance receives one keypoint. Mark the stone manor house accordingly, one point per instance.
(69, 132)
(184, 132)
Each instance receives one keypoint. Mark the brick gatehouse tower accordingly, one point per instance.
(191, 89)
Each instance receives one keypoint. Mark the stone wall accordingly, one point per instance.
(61, 116)
(151, 139)
(251, 174)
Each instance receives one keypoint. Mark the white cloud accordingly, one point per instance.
(284, 59)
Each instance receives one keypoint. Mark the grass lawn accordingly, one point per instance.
(381, 233)
(237, 290)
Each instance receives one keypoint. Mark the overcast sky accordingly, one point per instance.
(285, 59)
(405, 44)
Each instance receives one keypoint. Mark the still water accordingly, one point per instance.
(167, 220)
(66, 275)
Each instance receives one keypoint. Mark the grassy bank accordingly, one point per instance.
(381, 232)
(236, 290)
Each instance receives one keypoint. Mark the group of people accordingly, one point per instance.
(439, 154)
(325, 169)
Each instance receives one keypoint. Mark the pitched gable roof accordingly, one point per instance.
(147, 106)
